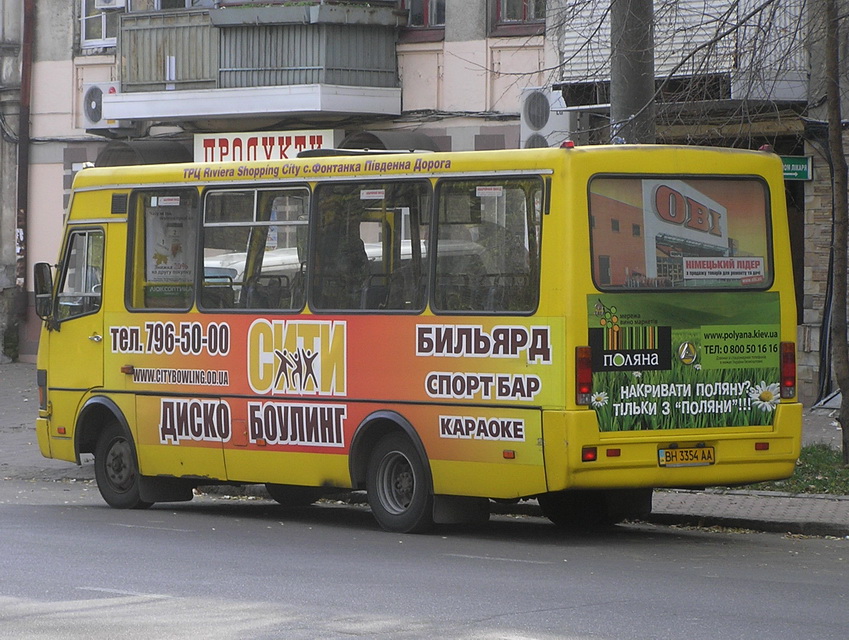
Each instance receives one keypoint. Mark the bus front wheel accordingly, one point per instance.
(116, 469)
(398, 491)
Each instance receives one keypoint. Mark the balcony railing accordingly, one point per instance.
(168, 50)
(252, 47)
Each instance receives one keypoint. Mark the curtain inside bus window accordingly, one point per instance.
(487, 248)
(163, 249)
(371, 246)
(669, 232)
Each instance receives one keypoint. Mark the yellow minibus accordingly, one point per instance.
(577, 326)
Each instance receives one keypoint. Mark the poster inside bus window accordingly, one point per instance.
(674, 232)
(170, 241)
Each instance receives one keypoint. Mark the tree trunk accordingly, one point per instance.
(840, 247)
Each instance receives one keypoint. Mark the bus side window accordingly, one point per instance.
(488, 245)
(371, 246)
(342, 265)
(251, 254)
(82, 270)
(162, 249)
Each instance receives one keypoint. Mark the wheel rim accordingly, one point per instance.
(396, 482)
(118, 465)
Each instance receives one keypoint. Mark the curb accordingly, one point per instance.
(818, 529)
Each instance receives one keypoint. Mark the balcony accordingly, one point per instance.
(331, 61)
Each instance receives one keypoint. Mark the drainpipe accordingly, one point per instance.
(23, 157)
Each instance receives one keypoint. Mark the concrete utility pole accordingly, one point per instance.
(632, 112)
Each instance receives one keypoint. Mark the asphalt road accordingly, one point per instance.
(72, 568)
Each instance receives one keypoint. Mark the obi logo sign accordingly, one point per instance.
(297, 357)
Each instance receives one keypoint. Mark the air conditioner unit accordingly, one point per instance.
(110, 4)
(544, 120)
(91, 107)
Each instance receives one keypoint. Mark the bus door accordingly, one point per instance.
(75, 346)
(180, 421)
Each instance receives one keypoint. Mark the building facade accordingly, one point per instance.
(116, 81)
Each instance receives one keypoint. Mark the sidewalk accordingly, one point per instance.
(762, 511)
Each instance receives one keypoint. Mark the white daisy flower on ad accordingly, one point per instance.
(764, 396)
(599, 399)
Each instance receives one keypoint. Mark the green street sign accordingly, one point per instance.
(797, 167)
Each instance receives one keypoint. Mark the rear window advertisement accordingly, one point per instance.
(671, 233)
(673, 361)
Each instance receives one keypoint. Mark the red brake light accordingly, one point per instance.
(788, 370)
(41, 381)
(583, 375)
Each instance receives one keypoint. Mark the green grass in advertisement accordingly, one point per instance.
(684, 360)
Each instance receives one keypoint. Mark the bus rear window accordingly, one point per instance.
(680, 233)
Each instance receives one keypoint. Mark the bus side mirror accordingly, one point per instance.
(43, 290)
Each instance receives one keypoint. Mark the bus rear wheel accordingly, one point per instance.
(116, 469)
(398, 491)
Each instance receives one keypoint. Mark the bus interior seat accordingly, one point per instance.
(218, 293)
(375, 292)
(267, 292)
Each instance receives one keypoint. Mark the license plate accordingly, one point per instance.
(686, 457)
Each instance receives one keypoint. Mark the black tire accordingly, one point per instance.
(293, 496)
(116, 469)
(398, 488)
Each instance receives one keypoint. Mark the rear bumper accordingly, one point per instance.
(43, 435)
(630, 459)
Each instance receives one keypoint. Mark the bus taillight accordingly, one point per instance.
(583, 375)
(788, 370)
(41, 381)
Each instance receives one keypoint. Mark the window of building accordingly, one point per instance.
(99, 27)
(603, 272)
(519, 17)
(425, 13)
(159, 5)
(614, 225)
(521, 10)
